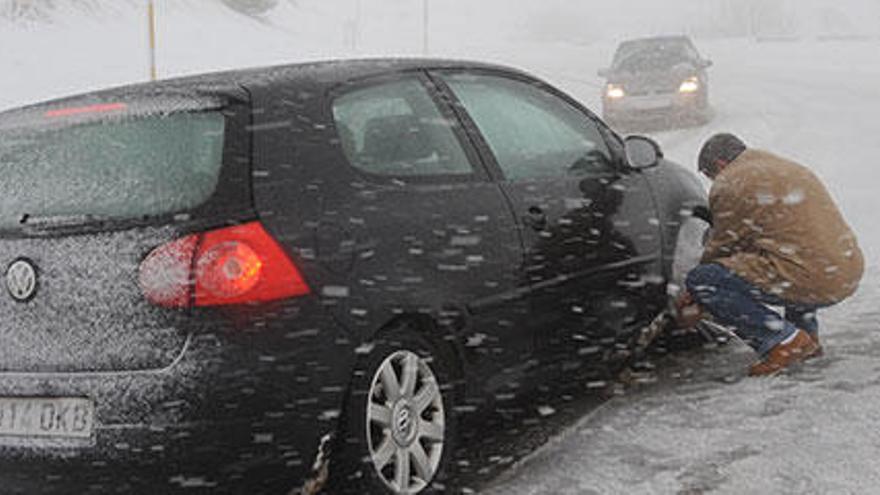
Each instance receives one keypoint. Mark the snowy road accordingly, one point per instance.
(701, 428)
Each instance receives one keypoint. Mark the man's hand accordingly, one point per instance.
(687, 312)
(684, 300)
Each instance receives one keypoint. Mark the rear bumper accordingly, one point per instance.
(242, 411)
(219, 457)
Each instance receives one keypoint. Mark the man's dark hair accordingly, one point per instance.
(725, 147)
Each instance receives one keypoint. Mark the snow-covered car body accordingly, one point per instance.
(214, 259)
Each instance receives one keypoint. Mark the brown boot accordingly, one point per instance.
(820, 351)
(784, 355)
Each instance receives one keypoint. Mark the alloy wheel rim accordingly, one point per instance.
(405, 422)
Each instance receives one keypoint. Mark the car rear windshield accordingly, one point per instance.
(125, 168)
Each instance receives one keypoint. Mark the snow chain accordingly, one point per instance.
(320, 469)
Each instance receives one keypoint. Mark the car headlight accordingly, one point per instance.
(615, 92)
(690, 85)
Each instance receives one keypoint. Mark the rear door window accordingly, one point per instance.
(126, 168)
(396, 129)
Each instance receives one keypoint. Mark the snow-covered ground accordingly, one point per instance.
(703, 428)
(813, 431)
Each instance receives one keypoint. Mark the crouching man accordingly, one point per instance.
(778, 239)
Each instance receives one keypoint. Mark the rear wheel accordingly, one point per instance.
(398, 425)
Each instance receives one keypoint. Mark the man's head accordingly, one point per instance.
(718, 152)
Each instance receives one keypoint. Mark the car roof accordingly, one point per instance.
(231, 83)
(673, 37)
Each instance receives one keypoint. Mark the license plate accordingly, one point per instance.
(47, 418)
(651, 103)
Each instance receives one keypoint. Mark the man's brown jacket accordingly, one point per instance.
(776, 226)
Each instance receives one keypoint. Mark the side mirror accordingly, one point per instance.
(707, 63)
(642, 152)
(603, 73)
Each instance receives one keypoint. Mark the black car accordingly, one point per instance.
(235, 282)
(656, 80)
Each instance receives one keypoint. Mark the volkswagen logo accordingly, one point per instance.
(403, 420)
(21, 280)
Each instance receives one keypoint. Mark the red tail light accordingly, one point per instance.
(102, 108)
(234, 265)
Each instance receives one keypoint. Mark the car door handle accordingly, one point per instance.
(536, 218)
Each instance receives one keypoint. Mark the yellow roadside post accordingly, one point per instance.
(151, 14)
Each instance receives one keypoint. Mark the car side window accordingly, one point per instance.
(396, 129)
(532, 132)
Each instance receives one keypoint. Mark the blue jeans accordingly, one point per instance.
(737, 303)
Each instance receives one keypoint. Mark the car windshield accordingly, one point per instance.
(119, 169)
(652, 55)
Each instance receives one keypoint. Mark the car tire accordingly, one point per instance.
(411, 428)
(688, 251)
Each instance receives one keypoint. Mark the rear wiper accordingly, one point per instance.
(61, 221)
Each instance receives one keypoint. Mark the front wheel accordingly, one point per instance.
(688, 250)
(398, 424)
